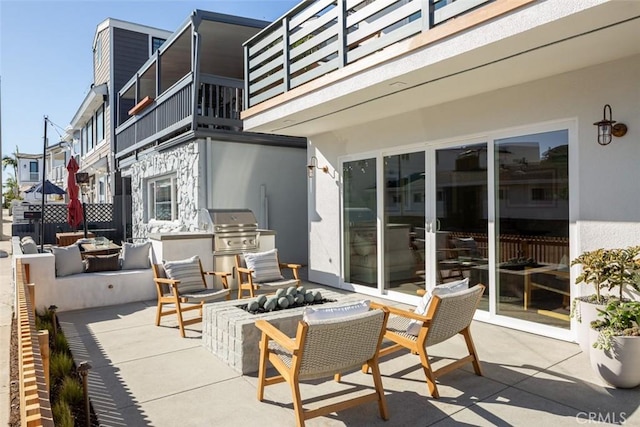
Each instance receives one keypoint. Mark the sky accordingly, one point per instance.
(46, 57)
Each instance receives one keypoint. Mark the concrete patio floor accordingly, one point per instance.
(144, 375)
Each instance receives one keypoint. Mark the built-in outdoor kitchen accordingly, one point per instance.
(223, 234)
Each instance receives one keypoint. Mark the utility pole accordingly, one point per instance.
(44, 177)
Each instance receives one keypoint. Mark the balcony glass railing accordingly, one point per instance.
(321, 36)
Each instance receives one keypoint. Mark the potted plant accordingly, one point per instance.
(615, 343)
(603, 269)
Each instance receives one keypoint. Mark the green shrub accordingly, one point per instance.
(62, 416)
(71, 391)
(60, 344)
(44, 314)
(42, 324)
(60, 365)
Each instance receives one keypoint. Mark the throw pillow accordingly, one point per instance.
(451, 287)
(28, 246)
(68, 260)
(311, 314)
(135, 256)
(187, 271)
(102, 263)
(423, 304)
(264, 265)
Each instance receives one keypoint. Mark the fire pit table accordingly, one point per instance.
(229, 332)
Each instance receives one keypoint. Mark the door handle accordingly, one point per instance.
(437, 225)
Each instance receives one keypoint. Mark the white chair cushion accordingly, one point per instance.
(187, 271)
(68, 260)
(264, 265)
(135, 256)
(423, 304)
(29, 246)
(312, 314)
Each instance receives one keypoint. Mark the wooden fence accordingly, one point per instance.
(542, 249)
(35, 407)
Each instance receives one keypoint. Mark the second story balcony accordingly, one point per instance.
(192, 83)
(330, 64)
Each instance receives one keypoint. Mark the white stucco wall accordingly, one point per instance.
(269, 180)
(604, 180)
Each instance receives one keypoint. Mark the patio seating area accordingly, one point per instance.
(148, 375)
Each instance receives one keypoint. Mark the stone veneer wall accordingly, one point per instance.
(183, 162)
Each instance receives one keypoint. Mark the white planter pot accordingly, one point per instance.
(618, 366)
(588, 313)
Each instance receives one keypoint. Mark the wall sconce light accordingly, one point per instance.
(608, 127)
(313, 165)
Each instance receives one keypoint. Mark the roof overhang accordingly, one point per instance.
(537, 41)
(96, 96)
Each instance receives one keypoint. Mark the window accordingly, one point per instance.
(100, 124)
(84, 140)
(156, 42)
(33, 171)
(162, 204)
(101, 190)
(90, 140)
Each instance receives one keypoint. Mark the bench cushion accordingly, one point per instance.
(102, 263)
(135, 256)
(68, 260)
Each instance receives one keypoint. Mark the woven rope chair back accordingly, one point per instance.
(454, 313)
(336, 345)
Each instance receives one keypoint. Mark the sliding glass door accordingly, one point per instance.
(532, 227)
(404, 222)
(461, 214)
(360, 232)
(495, 211)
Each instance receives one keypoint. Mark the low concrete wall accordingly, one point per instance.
(84, 290)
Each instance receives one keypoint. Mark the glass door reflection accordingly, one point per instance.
(532, 227)
(360, 234)
(461, 215)
(404, 222)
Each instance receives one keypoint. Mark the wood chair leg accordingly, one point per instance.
(297, 402)
(262, 365)
(431, 379)
(377, 381)
(466, 333)
(159, 313)
(179, 314)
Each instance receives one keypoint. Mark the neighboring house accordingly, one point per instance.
(58, 156)
(29, 172)
(457, 139)
(119, 49)
(180, 146)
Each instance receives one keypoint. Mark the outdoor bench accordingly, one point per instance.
(83, 290)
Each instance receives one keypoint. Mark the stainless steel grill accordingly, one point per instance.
(234, 231)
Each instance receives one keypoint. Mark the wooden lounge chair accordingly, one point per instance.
(251, 279)
(447, 315)
(190, 290)
(324, 348)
